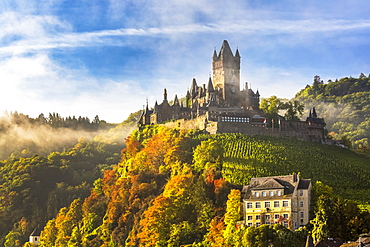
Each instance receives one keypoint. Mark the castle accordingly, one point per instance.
(221, 107)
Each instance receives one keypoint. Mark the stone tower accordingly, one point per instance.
(226, 73)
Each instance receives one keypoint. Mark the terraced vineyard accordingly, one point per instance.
(252, 156)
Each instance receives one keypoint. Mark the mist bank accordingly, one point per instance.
(345, 106)
(22, 136)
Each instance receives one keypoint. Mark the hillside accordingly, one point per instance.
(345, 105)
(175, 188)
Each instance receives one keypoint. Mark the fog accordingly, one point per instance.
(21, 136)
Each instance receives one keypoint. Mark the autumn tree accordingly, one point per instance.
(232, 215)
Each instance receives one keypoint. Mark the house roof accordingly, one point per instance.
(36, 232)
(288, 183)
(304, 184)
(332, 242)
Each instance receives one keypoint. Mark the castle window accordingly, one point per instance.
(301, 214)
(301, 203)
(300, 192)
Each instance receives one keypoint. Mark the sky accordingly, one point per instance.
(109, 57)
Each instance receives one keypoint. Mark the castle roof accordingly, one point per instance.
(210, 86)
(225, 50)
(176, 100)
(237, 53)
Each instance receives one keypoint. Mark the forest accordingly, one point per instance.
(173, 187)
(345, 105)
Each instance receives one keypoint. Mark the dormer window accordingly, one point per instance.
(263, 193)
(271, 193)
(256, 194)
(278, 193)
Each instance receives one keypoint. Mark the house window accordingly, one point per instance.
(278, 193)
(250, 217)
(263, 193)
(301, 203)
(285, 216)
(285, 204)
(249, 205)
(267, 205)
(301, 214)
(258, 217)
(277, 216)
(271, 193)
(256, 194)
(267, 222)
(267, 217)
(249, 224)
(285, 223)
(258, 205)
(276, 204)
(300, 192)
(258, 224)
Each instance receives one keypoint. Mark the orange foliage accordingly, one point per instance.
(215, 234)
(132, 148)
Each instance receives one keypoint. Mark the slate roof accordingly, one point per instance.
(36, 232)
(287, 183)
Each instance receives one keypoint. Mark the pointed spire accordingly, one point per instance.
(257, 93)
(237, 53)
(165, 95)
(176, 100)
(225, 50)
(210, 86)
(193, 88)
(314, 113)
(214, 54)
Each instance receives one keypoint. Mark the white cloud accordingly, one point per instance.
(36, 84)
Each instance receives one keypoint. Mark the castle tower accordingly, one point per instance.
(226, 73)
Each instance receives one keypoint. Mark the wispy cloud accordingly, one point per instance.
(28, 42)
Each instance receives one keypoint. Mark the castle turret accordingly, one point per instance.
(165, 95)
(226, 74)
(193, 89)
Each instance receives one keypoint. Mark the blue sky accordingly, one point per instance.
(105, 57)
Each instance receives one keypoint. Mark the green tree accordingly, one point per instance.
(208, 155)
(232, 215)
(293, 108)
